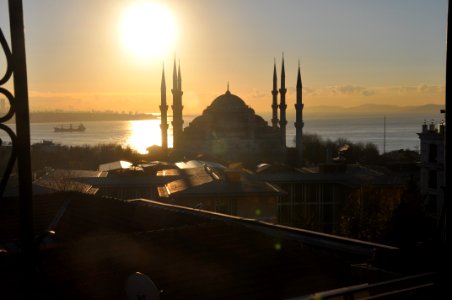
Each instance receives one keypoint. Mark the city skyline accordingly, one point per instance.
(351, 53)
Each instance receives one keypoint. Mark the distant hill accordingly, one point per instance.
(373, 109)
(427, 110)
(67, 117)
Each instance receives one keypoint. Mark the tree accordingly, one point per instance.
(316, 149)
(367, 212)
(410, 224)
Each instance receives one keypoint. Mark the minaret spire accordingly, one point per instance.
(299, 119)
(174, 74)
(179, 79)
(163, 112)
(275, 97)
(283, 105)
(299, 78)
(177, 106)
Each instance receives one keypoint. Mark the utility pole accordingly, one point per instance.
(384, 135)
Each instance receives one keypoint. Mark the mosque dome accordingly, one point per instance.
(228, 102)
(227, 115)
(230, 128)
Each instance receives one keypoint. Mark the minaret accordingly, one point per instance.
(163, 113)
(275, 98)
(177, 107)
(299, 120)
(283, 105)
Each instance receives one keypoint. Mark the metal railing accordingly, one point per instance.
(16, 69)
(416, 285)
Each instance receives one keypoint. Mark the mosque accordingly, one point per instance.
(229, 129)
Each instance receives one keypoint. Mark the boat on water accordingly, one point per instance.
(70, 128)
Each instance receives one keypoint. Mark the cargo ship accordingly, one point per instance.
(70, 128)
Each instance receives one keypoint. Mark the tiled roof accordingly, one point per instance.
(66, 173)
(131, 181)
(64, 185)
(197, 164)
(116, 165)
(353, 176)
(203, 181)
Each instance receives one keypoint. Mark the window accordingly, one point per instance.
(432, 179)
(431, 204)
(432, 153)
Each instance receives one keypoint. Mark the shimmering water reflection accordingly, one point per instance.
(141, 134)
(145, 133)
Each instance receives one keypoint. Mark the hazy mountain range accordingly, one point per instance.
(374, 109)
(427, 110)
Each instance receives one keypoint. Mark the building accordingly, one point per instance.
(432, 139)
(316, 199)
(221, 190)
(63, 180)
(89, 246)
(229, 130)
(119, 179)
(126, 181)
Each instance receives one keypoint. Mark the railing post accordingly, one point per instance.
(19, 67)
(22, 121)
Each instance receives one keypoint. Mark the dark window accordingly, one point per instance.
(312, 193)
(431, 204)
(328, 213)
(432, 179)
(432, 153)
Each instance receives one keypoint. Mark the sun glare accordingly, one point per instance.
(148, 30)
(144, 133)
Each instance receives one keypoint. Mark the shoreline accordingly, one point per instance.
(67, 117)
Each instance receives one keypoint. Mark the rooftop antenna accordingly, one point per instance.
(140, 286)
(384, 135)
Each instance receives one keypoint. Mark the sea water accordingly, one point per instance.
(390, 133)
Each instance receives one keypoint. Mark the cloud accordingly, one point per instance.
(355, 90)
(347, 90)
(430, 89)
(260, 94)
(368, 92)
(309, 91)
(416, 89)
(403, 89)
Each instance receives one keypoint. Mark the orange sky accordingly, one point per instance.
(351, 52)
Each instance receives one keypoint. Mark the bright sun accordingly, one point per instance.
(148, 30)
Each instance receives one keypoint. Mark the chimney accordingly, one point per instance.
(424, 127)
(442, 128)
(432, 127)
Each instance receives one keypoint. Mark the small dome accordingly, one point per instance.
(228, 102)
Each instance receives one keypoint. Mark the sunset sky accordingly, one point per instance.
(351, 52)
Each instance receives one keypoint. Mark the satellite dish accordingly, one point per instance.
(141, 287)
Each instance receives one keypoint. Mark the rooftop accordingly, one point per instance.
(351, 175)
(189, 254)
(197, 182)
